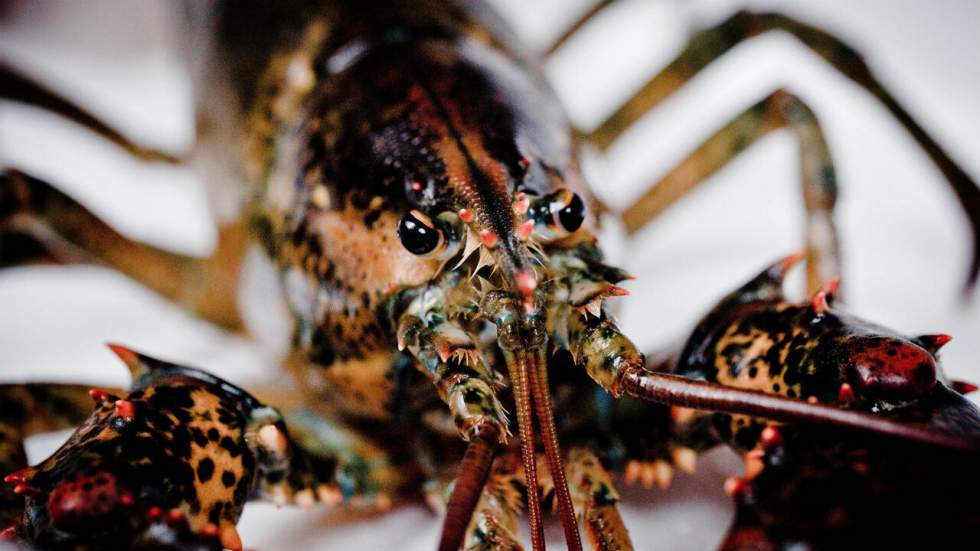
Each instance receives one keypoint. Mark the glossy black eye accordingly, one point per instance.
(556, 215)
(418, 234)
(572, 214)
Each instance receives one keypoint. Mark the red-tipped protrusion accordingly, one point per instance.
(525, 282)
(933, 343)
(964, 387)
(210, 530)
(17, 477)
(466, 215)
(734, 486)
(25, 488)
(614, 291)
(128, 357)
(124, 409)
(812, 400)
(845, 394)
(785, 265)
(770, 437)
(416, 186)
(830, 287)
(99, 396)
(525, 229)
(175, 515)
(819, 303)
(489, 238)
(153, 513)
(126, 499)
(526, 161)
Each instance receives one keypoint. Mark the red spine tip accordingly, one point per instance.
(210, 530)
(933, 343)
(16, 476)
(770, 437)
(124, 409)
(734, 486)
(126, 355)
(126, 500)
(831, 286)
(526, 161)
(964, 387)
(99, 396)
(525, 229)
(416, 186)
(466, 215)
(488, 238)
(175, 515)
(819, 303)
(153, 513)
(846, 393)
(25, 488)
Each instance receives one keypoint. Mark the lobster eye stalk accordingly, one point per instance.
(557, 215)
(438, 237)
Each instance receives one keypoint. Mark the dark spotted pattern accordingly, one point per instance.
(154, 451)
(756, 340)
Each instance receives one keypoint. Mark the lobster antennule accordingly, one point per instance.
(549, 438)
(680, 391)
(517, 367)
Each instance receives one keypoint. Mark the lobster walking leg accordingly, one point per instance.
(779, 110)
(16, 87)
(40, 223)
(595, 501)
(714, 42)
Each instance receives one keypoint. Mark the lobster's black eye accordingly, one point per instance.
(418, 234)
(556, 215)
(572, 214)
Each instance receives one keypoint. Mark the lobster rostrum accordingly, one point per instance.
(168, 464)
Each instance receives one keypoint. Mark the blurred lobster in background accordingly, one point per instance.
(407, 169)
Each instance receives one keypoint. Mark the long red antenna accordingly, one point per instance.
(549, 437)
(681, 391)
(469, 484)
(517, 365)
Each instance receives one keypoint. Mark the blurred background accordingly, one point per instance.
(905, 240)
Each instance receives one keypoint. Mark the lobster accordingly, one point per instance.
(414, 182)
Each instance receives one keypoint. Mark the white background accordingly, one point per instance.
(905, 241)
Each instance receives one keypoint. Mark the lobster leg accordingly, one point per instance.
(16, 87)
(38, 223)
(595, 501)
(334, 465)
(779, 110)
(714, 42)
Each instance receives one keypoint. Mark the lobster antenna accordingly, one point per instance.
(472, 478)
(549, 437)
(517, 366)
(680, 391)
